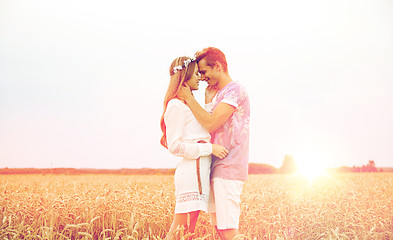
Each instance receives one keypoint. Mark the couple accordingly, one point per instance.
(211, 184)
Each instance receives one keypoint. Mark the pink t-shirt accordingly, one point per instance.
(233, 134)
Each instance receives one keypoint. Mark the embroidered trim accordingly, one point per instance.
(190, 196)
(180, 149)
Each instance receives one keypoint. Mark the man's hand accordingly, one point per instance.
(210, 92)
(219, 151)
(184, 93)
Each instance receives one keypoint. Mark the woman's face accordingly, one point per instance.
(193, 82)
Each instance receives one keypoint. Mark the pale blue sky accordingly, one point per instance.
(82, 82)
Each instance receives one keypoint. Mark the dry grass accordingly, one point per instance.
(345, 206)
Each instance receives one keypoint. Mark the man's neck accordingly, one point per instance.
(224, 81)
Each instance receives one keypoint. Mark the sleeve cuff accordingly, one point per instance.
(205, 149)
(230, 102)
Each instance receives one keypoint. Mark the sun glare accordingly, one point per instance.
(311, 167)
(311, 172)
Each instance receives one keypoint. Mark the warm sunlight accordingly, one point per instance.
(311, 165)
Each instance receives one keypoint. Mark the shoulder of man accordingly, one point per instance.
(239, 89)
(236, 86)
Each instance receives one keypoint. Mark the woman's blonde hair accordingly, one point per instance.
(177, 79)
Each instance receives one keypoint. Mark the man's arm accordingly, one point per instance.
(211, 122)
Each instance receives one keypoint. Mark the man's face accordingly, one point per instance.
(208, 73)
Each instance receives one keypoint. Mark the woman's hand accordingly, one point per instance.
(184, 93)
(219, 151)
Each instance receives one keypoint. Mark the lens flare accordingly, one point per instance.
(311, 165)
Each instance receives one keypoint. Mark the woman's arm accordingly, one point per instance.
(175, 120)
(212, 121)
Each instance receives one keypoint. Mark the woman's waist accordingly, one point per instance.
(204, 163)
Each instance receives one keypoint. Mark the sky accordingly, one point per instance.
(82, 83)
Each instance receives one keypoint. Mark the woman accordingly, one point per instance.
(185, 137)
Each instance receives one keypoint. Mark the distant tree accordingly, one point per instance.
(370, 167)
(356, 169)
(288, 165)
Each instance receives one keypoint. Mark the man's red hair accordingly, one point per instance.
(212, 55)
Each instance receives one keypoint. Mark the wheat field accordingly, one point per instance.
(340, 206)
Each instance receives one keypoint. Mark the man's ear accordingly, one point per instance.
(218, 65)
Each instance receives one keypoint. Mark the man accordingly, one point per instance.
(228, 123)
